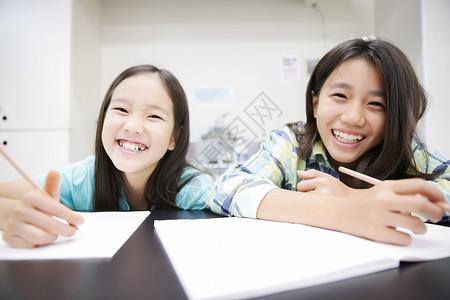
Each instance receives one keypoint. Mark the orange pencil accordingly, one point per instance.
(19, 169)
(375, 181)
(358, 175)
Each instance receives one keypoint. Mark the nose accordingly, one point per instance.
(354, 114)
(134, 125)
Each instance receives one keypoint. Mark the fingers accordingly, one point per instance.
(43, 209)
(418, 186)
(407, 221)
(30, 227)
(390, 235)
(16, 241)
(27, 236)
(417, 196)
(45, 220)
(310, 184)
(40, 218)
(418, 204)
(310, 174)
(444, 206)
(386, 226)
(306, 186)
(322, 183)
(52, 184)
(52, 188)
(390, 231)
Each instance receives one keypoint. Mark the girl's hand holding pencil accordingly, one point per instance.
(441, 202)
(377, 212)
(31, 220)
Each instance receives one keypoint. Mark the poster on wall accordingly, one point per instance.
(208, 94)
(290, 69)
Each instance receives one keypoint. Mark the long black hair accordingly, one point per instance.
(406, 103)
(164, 182)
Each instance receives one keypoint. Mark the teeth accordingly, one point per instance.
(130, 146)
(347, 138)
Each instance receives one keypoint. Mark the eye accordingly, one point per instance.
(339, 95)
(120, 109)
(377, 104)
(154, 117)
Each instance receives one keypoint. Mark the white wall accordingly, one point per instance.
(400, 22)
(234, 45)
(436, 49)
(421, 28)
(62, 54)
(85, 92)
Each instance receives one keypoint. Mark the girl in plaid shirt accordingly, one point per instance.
(363, 103)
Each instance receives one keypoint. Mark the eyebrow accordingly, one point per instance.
(150, 106)
(346, 86)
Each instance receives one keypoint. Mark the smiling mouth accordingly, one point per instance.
(347, 138)
(135, 147)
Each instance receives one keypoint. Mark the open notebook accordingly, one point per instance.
(238, 258)
(101, 236)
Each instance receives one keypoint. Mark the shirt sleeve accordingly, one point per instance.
(76, 184)
(441, 167)
(193, 195)
(240, 190)
(434, 163)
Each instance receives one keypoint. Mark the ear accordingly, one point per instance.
(172, 144)
(315, 102)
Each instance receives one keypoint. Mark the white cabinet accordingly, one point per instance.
(36, 151)
(35, 64)
(34, 84)
(49, 82)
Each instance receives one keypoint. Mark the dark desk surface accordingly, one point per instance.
(141, 270)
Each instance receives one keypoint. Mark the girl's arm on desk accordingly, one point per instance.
(370, 213)
(29, 222)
